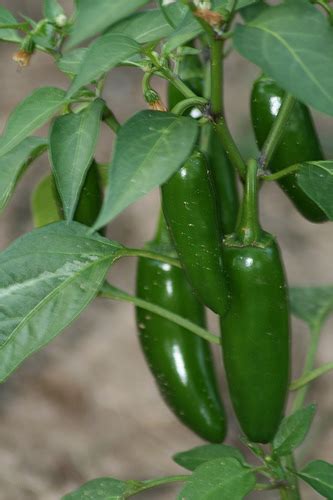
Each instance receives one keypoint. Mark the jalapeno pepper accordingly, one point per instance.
(224, 177)
(189, 206)
(181, 362)
(299, 142)
(46, 203)
(190, 70)
(255, 330)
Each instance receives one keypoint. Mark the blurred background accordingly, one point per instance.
(86, 405)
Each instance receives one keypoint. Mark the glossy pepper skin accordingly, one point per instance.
(91, 199)
(191, 72)
(255, 330)
(46, 203)
(299, 143)
(225, 183)
(189, 207)
(181, 362)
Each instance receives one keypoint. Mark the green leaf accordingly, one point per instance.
(319, 475)
(159, 142)
(188, 29)
(73, 139)
(103, 54)
(191, 459)
(293, 43)
(71, 61)
(243, 4)
(252, 11)
(311, 304)
(29, 115)
(9, 35)
(293, 430)
(94, 17)
(144, 27)
(173, 13)
(52, 9)
(316, 180)
(104, 488)
(48, 277)
(14, 163)
(222, 478)
(44, 203)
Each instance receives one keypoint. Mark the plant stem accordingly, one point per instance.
(165, 13)
(282, 173)
(216, 50)
(326, 7)
(308, 366)
(184, 105)
(305, 379)
(230, 146)
(111, 292)
(276, 131)
(149, 254)
(292, 492)
(205, 26)
(248, 228)
(110, 119)
(170, 76)
(153, 483)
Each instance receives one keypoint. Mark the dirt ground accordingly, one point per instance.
(86, 406)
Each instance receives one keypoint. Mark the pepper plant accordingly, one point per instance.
(209, 249)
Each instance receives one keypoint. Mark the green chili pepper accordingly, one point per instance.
(189, 206)
(180, 361)
(255, 331)
(46, 203)
(190, 70)
(91, 199)
(225, 183)
(299, 142)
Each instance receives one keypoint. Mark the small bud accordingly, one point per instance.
(22, 57)
(61, 20)
(196, 113)
(214, 19)
(158, 106)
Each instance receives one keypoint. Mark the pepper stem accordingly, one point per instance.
(248, 228)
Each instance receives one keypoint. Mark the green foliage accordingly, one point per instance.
(104, 488)
(160, 143)
(71, 61)
(144, 27)
(29, 115)
(52, 9)
(94, 17)
(219, 478)
(8, 35)
(312, 304)
(104, 54)
(293, 430)
(73, 139)
(44, 204)
(191, 459)
(13, 164)
(41, 274)
(319, 475)
(316, 179)
(293, 61)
